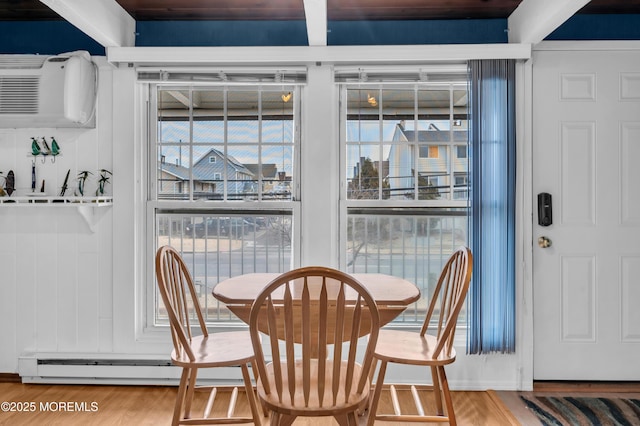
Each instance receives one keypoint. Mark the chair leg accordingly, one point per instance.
(251, 397)
(373, 404)
(353, 418)
(437, 394)
(265, 412)
(279, 419)
(348, 419)
(274, 418)
(447, 396)
(182, 389)
(193, 373)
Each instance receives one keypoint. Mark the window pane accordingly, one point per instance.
(277, 169)
(216, 247)
(173, 175)
(398, 109)
(364, 172)
(277, 116)
(363, 115)
(208, 131)
(419, 156)
(434, 109)
(224, 144)
(241, 180)
(234, 143)
(414, 246)
(242, 116)
(208, 115)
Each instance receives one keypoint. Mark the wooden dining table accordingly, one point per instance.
(392, 294)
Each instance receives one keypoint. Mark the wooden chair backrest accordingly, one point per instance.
(180, 299)
(449, 296)
(319, 314)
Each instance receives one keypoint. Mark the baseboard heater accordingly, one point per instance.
(114, 362)
(118, 371)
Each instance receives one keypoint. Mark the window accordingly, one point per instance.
(429, 151)
(461, 151)
(401, 213)
(405, 198)
(461, 186)
(212, 149)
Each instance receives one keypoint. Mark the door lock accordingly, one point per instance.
(544, 242)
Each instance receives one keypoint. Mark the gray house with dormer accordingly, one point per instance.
(209, 173)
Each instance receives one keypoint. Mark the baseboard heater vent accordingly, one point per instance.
(118, 371)
(110, 362)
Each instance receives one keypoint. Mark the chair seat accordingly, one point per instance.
(313, 407)
(408, 347)
(217, 350)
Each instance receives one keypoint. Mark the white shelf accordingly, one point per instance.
(55, 200)
(86, 205)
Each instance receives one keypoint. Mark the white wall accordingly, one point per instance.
(67, 292)
(57, 275)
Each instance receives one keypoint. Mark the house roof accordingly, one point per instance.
(204, 170)
(178, 171)
(436, 135)
(269, 171)
(429, 135)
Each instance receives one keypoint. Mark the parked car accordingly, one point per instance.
(212, 226)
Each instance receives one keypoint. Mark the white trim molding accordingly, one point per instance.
(105, 21)
(533, 20)
(302, 55)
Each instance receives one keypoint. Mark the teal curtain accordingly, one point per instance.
(492, 139)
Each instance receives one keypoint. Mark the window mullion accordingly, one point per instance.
(191, 180)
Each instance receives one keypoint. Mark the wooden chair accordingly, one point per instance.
(202, 351)
(434, 351)
(313, 319)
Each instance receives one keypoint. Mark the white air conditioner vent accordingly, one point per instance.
(22, 61)
(19, 95)
(47, 91)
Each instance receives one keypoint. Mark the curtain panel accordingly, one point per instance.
(492, 141)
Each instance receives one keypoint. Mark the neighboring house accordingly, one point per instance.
(268, 173)
(433, 163)
(172, 180)
(208, 175)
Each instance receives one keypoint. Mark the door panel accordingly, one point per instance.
(586, 149)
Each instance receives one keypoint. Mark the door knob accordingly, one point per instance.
(544, 242)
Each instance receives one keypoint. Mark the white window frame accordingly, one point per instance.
(346, 204)
(153, 205)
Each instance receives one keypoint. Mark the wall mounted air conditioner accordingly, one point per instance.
(47, 91)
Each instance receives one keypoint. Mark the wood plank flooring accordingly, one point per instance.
(71, 405)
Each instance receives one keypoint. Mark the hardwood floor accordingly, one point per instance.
(153, 405)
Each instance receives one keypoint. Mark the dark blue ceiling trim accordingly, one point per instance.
(53, 37)
(221, 33)
(45, 38)
(599, 27)
(463, 31)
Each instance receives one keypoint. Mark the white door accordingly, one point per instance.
(586, 154)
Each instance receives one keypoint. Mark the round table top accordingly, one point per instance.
(385, 289)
